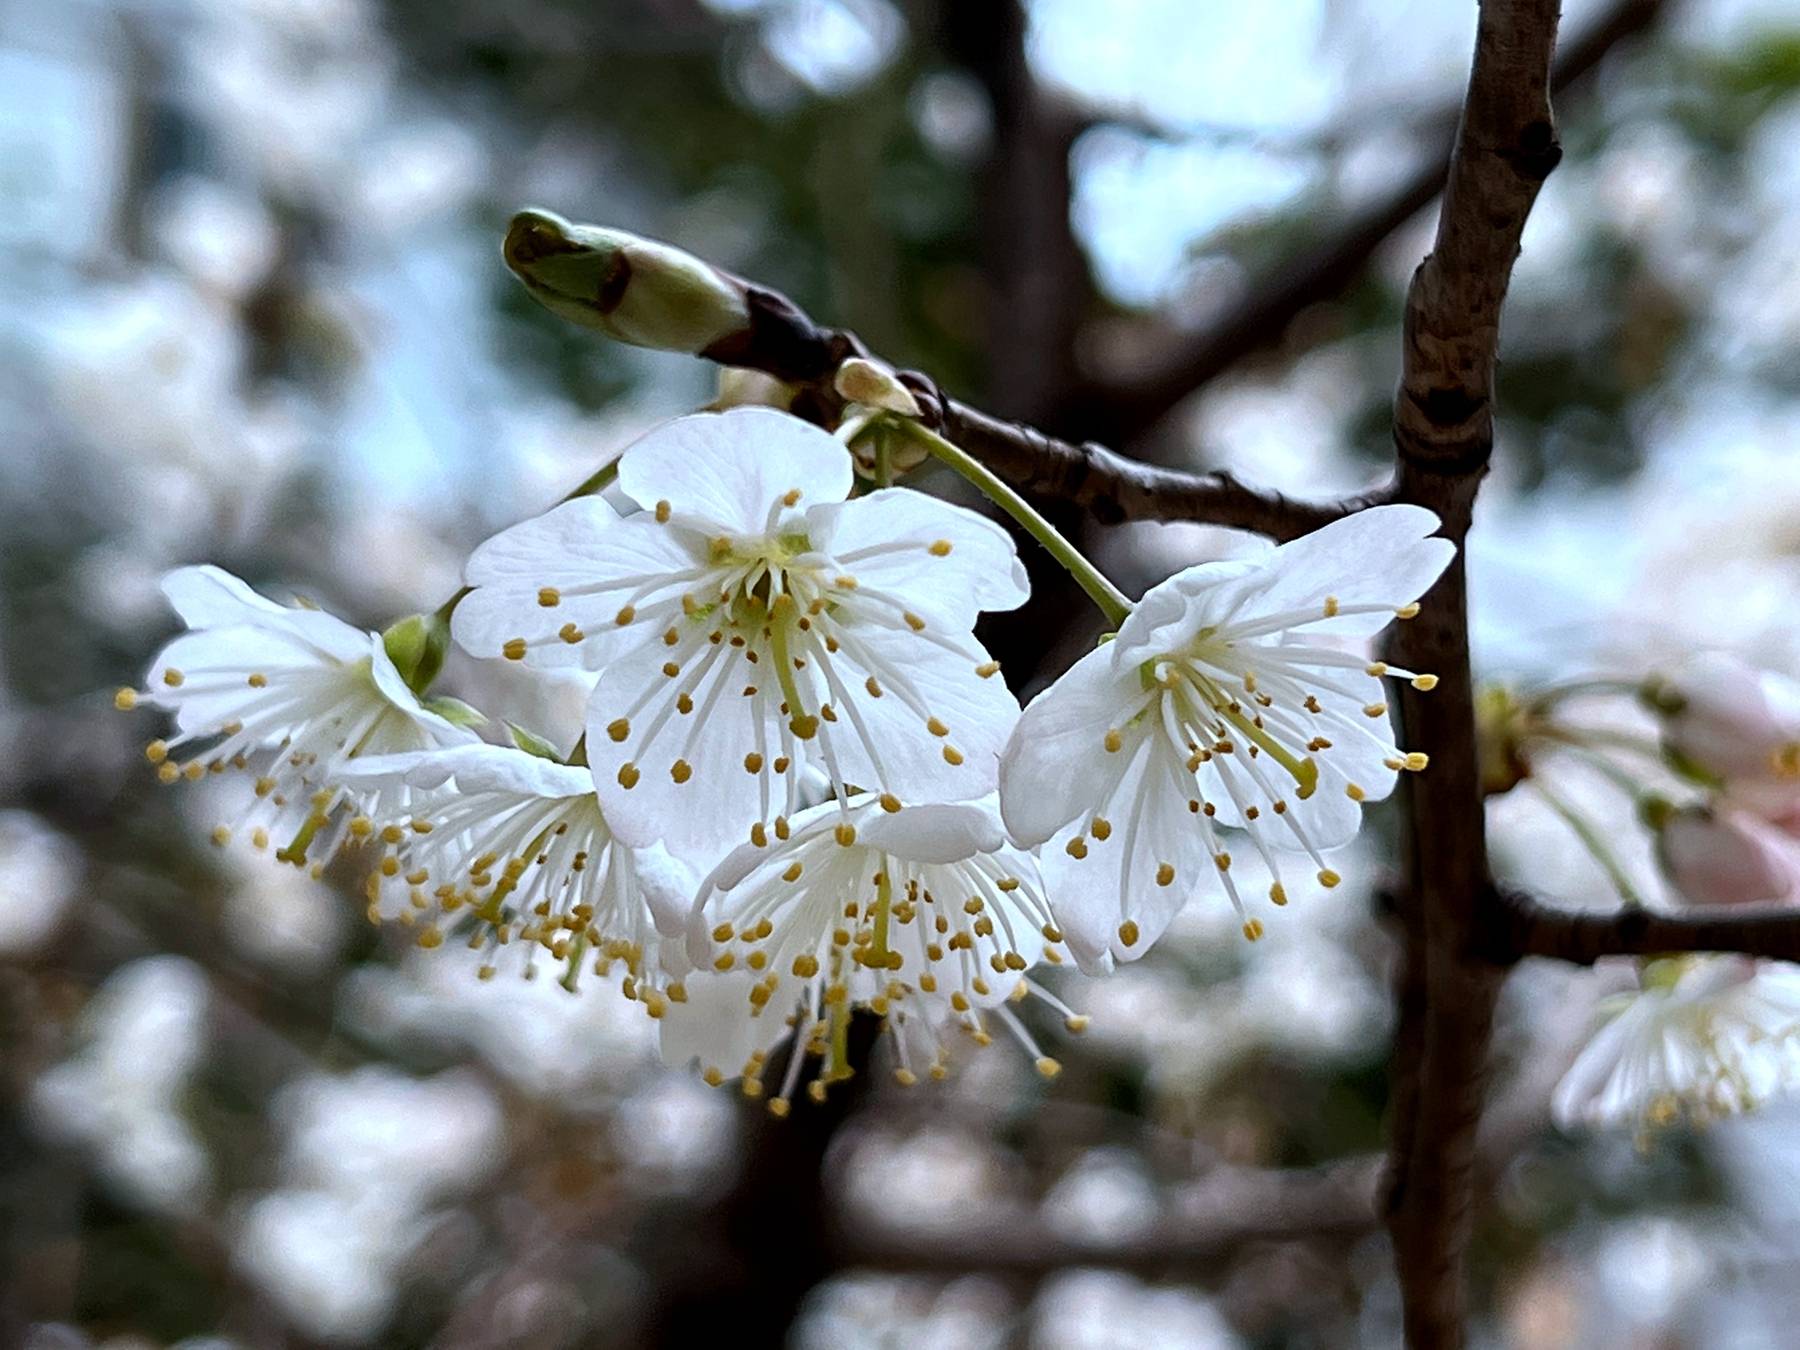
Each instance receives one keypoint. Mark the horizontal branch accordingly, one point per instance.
(1524, 926)
(784, 341)
(1231, 1207)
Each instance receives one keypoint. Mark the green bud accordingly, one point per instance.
(455, 711)
(632, 289)
(417, 645)
(532, 743)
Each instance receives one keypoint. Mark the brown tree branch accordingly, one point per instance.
(1233, 1206)
(1127, 408)
(1519, 925)
(783, 340)
(1443, 433)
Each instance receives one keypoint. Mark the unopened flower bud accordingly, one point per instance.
(632, 289)
(1730, 720)
(1728, 858)
(874, 385)
(417, 645)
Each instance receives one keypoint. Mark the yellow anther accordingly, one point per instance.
(846, 834)
(781, 827)
(1417, 761)
(1222, 861)
(1354, 792)
(157, 751)
(1113, 741)
(258, 681)
(168, 771)
(1278, 894)
(618, 729)
(125, 700)
(873, 686)
(791, 497)
(804, 726)
(628, 775)
(1331, 606)
(940, 549)
(570, 634)
(221, 835)
(905, 1077)
(549, 597)
(1253, 929)
(514, 649)
(663, 511)
(758, 835)
(889, 802)
(1376, 668)
(1329, 878)
(1048, 1067)
(1076, 847)
(1128, 933)
(681, 771)
(670, 669)
(1375, 710)
(793, 873)
(173, 678)
(987, 669)
(778, 1107)
(625, 616)
(194, 770)
(1424, 683)
(952, 756)
(430, 936)
(1165, 874)
(1407, 611)
(806, 965)
(725, 961)
(1101, 828)
(684, 704)
(914, 622)
(1076, 1023)
(935, 727)
(753, 762)
(712, 1077)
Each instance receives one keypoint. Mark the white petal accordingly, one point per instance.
(1173, 612)
(979, 713)
(1382, 556)
(592, 559)
(940, 832)
(714, 1026)
(477, 768)
(980, 571)
(1049, 769)
(702, 818)
(1117, 880)
(396, 691)
(730, 468)
(210, 597)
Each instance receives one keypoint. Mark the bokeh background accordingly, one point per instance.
(252, 311)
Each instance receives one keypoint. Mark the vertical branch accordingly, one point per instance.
(1444, 434)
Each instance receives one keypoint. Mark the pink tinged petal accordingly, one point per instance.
(1052, 766)
(945, 562)
(1728, 858)
(1382, 557)
(729, 469)
(569, 574)
(1736, 720)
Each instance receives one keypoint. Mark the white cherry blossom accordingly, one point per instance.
(1706, 1037)
(514, 846)
(1217, 704)
(286, 695)
(749, 623)
(926, 915)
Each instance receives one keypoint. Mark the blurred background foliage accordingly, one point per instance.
(252, 311)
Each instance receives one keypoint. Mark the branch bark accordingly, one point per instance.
(1443, 433)
(1523, 926)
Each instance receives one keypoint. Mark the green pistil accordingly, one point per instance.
(1305, 772)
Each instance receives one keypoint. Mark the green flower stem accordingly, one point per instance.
(1108, 597)
(1596, 845)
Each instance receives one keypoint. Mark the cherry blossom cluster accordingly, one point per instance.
(1709, 755)
(805, 787)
